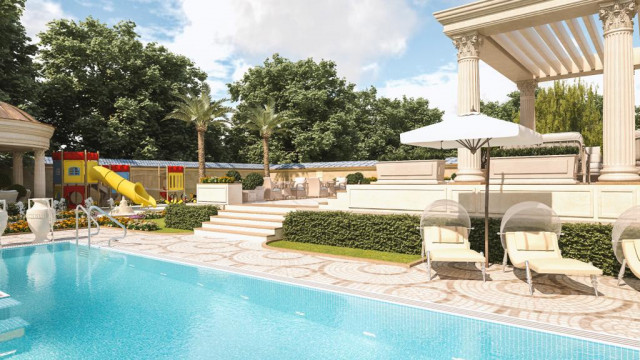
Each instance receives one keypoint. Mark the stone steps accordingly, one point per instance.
(256, 222)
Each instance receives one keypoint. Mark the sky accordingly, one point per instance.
(395, 45)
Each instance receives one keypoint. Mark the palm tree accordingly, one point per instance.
(200, 111)
(266, 122)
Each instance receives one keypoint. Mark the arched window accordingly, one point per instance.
(74, 171)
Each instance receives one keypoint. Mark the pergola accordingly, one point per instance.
(20, 133)
(531, 41)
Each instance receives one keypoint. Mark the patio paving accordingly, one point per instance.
(558, 300)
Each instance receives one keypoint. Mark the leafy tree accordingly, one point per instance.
(201, 112)
(508, 111)
(310, 93)
(105, 90)
(559, 108)
(266, 121)
(570, 107)
(331, 120)
(17, 70)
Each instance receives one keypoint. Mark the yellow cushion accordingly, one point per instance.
(456, 255)
(445, 234)
(534, 241)
(563, 266)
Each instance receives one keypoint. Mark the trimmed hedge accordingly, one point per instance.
(400, 234)
(181, 216)
(391, 233)
(535, 151)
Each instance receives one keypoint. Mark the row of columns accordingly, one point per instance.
(619, 101)
(39, 176)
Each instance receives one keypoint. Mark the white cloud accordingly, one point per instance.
(38, 13)
(240, 67)
(441, 86)
(353, 33)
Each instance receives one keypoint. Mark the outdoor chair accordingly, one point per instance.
(529, 233)
(341, 183)
(299, 187)
(625, 239)
(444, 227)
(271, 190)
(316, 188)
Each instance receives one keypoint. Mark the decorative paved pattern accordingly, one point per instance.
(558, 300)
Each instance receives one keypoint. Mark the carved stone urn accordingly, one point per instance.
(41, 216)
(4, 216)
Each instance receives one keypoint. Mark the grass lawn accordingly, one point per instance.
(343, 251)
(166, 230)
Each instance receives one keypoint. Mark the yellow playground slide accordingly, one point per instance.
(134, 191)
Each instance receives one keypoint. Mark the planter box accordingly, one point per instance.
(410, 172)
(253, 195)
(551, 169)
(223, 194)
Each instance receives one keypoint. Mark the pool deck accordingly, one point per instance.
(567, 302)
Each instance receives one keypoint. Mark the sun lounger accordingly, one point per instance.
(539, 252)
(449, 244)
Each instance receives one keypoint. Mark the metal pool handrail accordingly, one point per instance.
(89, 220)
(114, 221)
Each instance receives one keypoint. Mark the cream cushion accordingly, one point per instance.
(449, 243)
(563, 266)
(535, 241)
(631, 251)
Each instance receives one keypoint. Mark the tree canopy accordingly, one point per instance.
(562, 107)
(17, 70)
(332, 121)
(105, 90)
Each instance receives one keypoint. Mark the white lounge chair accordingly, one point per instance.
(529, 234)
(444, 227)
(625, 239)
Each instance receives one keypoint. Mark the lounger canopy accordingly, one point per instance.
(627, 227)
(529, 216)
(444, 213)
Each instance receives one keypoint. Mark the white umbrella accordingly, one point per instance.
(473, 132)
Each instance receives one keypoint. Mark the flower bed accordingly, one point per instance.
(21, 226)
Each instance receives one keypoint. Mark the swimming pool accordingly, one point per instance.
(104, 304)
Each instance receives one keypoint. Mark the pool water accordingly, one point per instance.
(103, 304)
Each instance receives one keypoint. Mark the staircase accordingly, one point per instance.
(257, 222)
(11, 327)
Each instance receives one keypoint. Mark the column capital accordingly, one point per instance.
(527, 87)
(468, 45)
(617, 15)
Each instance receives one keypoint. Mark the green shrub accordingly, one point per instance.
(217, 180)
(535, 151)
(22, 191)
(181, 216)
(252, 181)
(355, 178)
(391, 233)
(400, 234)
(234, 174)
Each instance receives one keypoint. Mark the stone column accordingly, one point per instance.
(618, 114)
(18, 174)
(469, 165)
(39, 178)
(528, 103)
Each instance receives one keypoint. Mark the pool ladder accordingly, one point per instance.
(91, 219)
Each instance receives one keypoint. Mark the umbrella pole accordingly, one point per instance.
(486, 207)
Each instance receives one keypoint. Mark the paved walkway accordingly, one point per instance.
(558, 300)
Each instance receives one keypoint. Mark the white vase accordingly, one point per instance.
(40, 218)
(4, 216)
